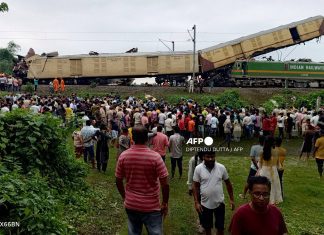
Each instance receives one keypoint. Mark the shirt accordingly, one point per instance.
(159, 143)
(211, 186)
(193, 162)
(282, 152)
(168, 124)
(213, 122)
(142, 168)
(87, 133)
(176, 142)
(246, 221)
(191, 125)
(319, 154)
(255, 153)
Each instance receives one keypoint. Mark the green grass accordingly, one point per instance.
(303, 205)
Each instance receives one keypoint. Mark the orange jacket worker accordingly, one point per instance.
(56, 85)
(62, 85)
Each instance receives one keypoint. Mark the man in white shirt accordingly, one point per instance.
(208, 192)
(255, 155)
(176, 143)
(162, 117)
(213, 125)
(34, 108)
(247, 124)
(314, 119)
(281, 125)
(168, 125)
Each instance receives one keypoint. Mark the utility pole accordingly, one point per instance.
(194, 52)
(191, 87)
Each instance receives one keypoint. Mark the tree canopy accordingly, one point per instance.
(7, 57)
(3, 7)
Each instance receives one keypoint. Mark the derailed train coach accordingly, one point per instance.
(213, 63)
(103, 67)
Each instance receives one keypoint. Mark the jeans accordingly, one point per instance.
(201, 131)
(319, 163)
(89, 150)
(174, 162)
(151, 220)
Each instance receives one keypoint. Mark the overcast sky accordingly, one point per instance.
(80, 26)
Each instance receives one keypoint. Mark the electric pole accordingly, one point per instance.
(194, 51)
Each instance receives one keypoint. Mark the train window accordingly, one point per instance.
(294, 34)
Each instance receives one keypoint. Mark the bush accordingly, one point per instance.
(29, 88)
(231, 99)
(39, 177)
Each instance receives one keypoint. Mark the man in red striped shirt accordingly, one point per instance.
(144, 171)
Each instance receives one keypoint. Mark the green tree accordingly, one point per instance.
(3, 7)
(7, 57)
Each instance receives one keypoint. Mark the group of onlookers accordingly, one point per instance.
(143, 131)
(10, 83)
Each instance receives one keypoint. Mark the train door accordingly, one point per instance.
(75, 68)
(294, 34)
(152, 65)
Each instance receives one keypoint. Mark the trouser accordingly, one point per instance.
(89, 150)
(174, 162)
(201, 131)
(319, 163)
(280, 173)
(256, 131)
(102, 161)
(151, 220)
(281, 132)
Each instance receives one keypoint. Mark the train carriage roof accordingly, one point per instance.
(137, 54)
(244, 38)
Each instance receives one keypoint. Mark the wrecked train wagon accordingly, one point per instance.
(84, 68)
(260, 43)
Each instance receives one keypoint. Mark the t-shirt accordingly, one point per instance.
(176, 142)
(159, 143)
(191, 125)
(255, 152)
(142, 169)
(246, 221)
(213, 122)
(320, 145)
(211, 186)
(282, 156)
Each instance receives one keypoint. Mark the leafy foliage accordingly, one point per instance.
(4, 7)
(39, 178)
(309, 100)
(230, 98)
(29, 88)
(7, 57)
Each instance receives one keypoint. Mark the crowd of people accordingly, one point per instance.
(10, 83)
(144, 130)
